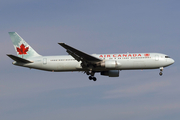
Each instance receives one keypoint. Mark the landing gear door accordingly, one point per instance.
(156, 57)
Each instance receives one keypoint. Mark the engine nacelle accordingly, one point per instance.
(111, 73)
(111, 64)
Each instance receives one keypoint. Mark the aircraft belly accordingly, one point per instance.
(138, 64)
(54, 66)
(67, 66)
(35, 66)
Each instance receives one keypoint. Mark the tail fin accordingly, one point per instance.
(23, 49)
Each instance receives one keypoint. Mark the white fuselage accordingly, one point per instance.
(126, 61)
(106, 64)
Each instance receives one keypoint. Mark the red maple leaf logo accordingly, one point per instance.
(147, 55)
(22, 49)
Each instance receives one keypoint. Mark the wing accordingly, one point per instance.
(79, 55)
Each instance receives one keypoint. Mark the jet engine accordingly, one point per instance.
(111, 73)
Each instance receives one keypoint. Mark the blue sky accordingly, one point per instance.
(101, 26)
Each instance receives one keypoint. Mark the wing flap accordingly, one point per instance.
(79, 55)
(18, 59)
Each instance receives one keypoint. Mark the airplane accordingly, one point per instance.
(105, 64)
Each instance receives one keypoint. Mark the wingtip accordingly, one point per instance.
(11, 32)
(8, 54)
(61, 43)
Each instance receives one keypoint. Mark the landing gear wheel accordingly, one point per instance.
(160, 73)
(90, 77)
(161, 69)
(94, 78)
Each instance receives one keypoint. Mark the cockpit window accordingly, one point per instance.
(167, 57)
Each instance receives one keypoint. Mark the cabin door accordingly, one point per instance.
(157, 57)
(44, 61)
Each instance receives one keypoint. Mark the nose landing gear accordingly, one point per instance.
(160, 73)
(161, 69)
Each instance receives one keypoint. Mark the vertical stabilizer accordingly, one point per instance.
(23, 49)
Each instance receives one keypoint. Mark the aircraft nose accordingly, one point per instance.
(172, 61)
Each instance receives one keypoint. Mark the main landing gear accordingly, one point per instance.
(91, 77)
(161, 69)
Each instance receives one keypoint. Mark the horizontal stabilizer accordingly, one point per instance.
(18, 59)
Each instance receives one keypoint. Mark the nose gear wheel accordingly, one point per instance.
(161, 69)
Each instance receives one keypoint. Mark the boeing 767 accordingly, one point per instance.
(105, 64)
